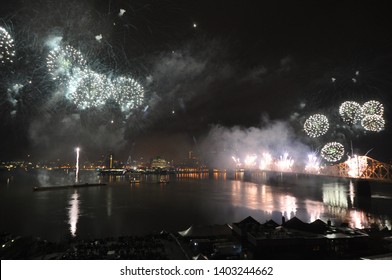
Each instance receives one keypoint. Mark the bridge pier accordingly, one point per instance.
(362, 188)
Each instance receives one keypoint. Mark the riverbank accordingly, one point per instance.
(247, 239)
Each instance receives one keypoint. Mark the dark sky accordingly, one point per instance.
(245, 64)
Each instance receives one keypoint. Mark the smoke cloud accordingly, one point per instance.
(276, 138)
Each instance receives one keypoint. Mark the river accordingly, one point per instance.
(121, 208)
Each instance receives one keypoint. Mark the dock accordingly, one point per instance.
(68, 186)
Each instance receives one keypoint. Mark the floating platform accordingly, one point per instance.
(68, 186)
(112, 171)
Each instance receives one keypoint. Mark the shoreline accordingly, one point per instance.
(247, 239)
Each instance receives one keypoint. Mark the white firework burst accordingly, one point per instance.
(372, 108)
(313, 164)
(88, 89)
(285, 163)
(351, 112)
(374, 123)
(7, 47)
(266, 161)
(127, 92)
(316, 125)
(332, 151)
(356, 165)
(62, 62)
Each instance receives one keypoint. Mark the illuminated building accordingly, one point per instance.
(159, 163)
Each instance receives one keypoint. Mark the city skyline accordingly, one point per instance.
(212, 74)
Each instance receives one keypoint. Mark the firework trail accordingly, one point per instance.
(77, 165)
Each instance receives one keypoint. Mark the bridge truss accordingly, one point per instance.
(367, 168)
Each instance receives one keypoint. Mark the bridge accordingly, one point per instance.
(361, 170)
(361, 167)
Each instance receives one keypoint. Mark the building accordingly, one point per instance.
(159, 163)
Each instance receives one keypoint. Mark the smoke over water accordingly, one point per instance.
(276, 138)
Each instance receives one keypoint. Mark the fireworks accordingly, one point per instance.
(351, 112)
(266, 161)
(63, 61)
(372, 108)
(313, 165)
(237, 161)
(356, 165)
(87, 88)
(250, 161)
(316, 125)
(77, 165)
(332, 152)
(373, 116)
(128, 93)
(7, 51)
(285, 163)
(370, 114)
(374, 123)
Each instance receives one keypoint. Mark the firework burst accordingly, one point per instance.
(250, 161)
(316, 125)
(372, 108)
(266, 161)
(374, 123)
(62, 62)
(332, 151)
(285, 163)
(86, 89)
(7, 48)
(127, 92)
(356, 165)
(313, 164)
(350, 112)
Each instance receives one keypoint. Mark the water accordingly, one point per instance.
(121, 208)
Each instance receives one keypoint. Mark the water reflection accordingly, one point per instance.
(315, 209)
(335, 195)
(73, 212)
(288, 206)
(351, 192)
(342, 205)
(198, 175)
(109, 202)
(258, 197)
(185, 200)
(337, 203)
(219, 175)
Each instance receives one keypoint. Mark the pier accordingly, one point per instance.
(73, 186)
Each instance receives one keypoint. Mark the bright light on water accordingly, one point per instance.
(73, 213)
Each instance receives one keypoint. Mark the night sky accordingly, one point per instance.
(250, 70)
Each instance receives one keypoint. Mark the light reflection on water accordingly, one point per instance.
(73, 212)
(338, 203)
(123, 208)
(335, 195)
